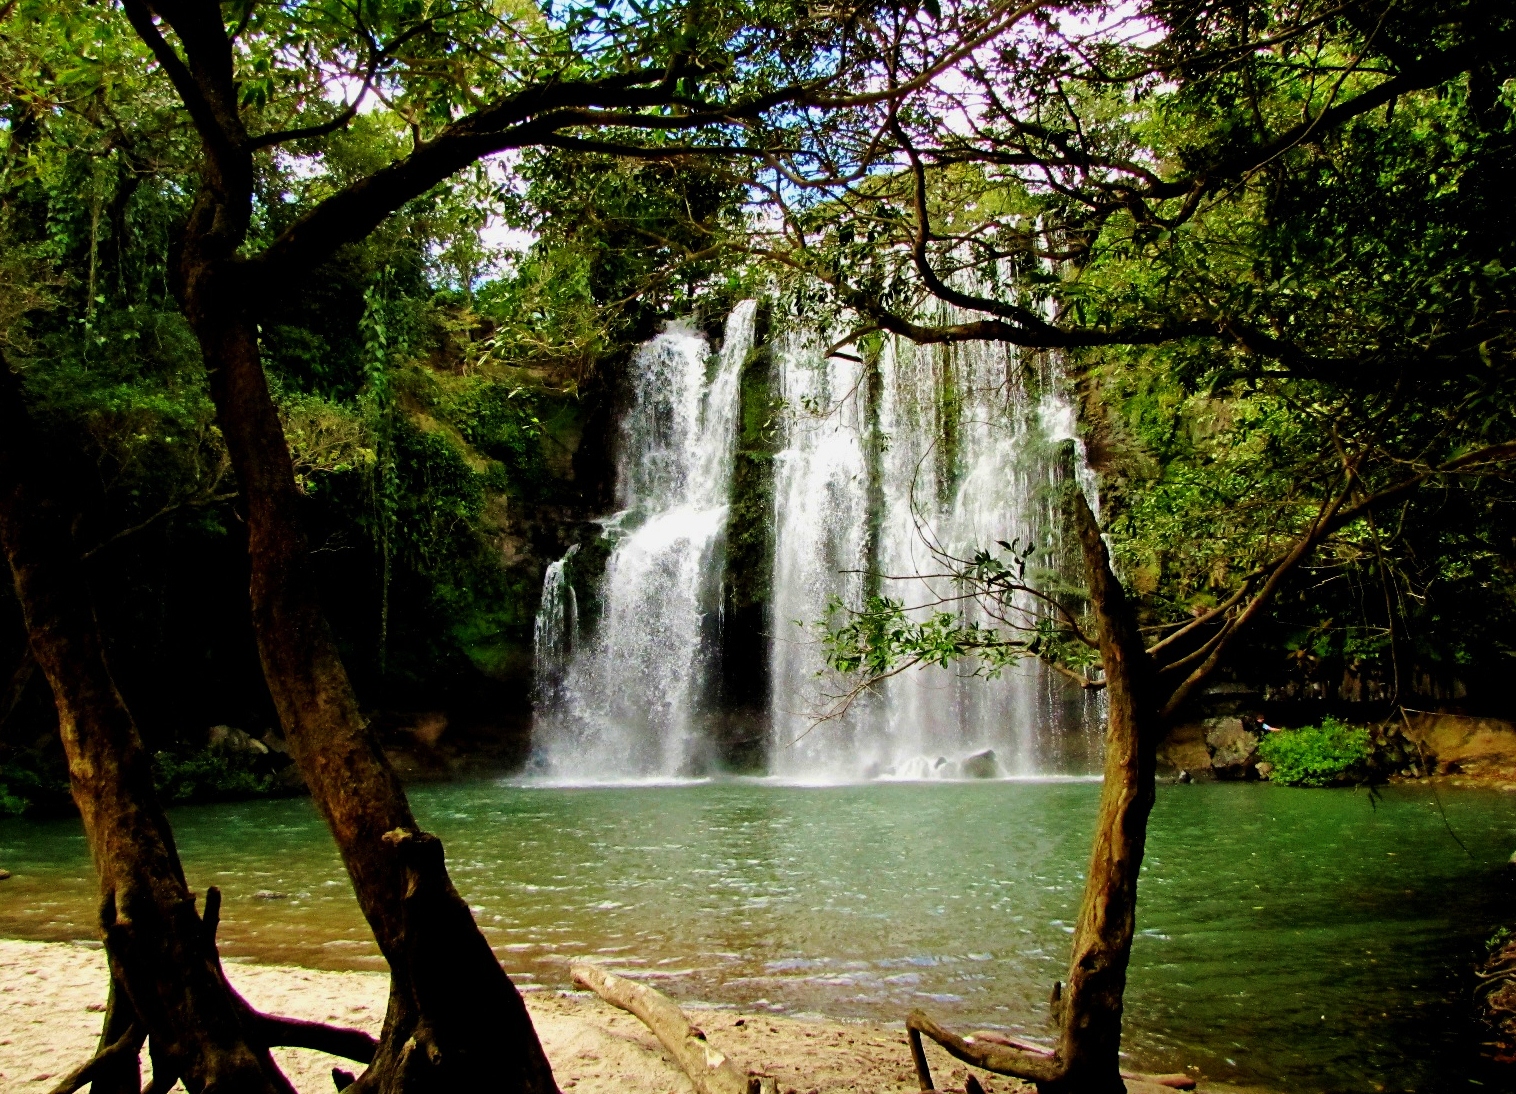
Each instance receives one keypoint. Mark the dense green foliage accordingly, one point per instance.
(1324, 755)
(1258, 314)
(33, 783)
(212, 775)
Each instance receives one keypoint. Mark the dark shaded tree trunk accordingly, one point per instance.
(166, 981)
(454, 1020)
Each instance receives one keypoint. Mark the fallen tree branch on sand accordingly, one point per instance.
(711, 1071)
(1000, 1054)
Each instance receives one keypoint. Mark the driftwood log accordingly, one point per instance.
(711, 1071)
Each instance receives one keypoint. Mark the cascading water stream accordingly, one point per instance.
(965, 441)
(628, 701)
(557, 628)
(888, 473)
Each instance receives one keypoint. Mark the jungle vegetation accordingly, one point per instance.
(278, 407)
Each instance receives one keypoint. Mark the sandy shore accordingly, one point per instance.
(51, 996)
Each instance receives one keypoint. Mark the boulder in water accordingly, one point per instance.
(1233, 748)
(1183, 749)
(981, 765)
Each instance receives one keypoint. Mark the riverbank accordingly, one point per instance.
(52, 995)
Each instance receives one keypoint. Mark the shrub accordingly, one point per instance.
(35, 785)
(211, 775)
(1333, 752)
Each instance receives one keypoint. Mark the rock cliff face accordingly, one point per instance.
(1221, 747)
(1454, 744)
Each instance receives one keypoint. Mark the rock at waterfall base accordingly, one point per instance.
(233, 740)
(981, 765)
(1183, 749)
(1233, 748)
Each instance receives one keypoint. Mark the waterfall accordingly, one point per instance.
(557, 628)
(891, 466)
(631, 696)
(965, 441)
(821, 539)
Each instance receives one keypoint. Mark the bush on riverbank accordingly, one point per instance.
(219, 775)
(1325, 755)
(33, 784)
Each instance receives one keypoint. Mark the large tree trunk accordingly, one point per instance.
(455, 1020)
(166, 982)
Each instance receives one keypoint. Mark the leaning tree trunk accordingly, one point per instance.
(1090, 1040)
(166, 981)
(1088, 1005)
(455, 1020)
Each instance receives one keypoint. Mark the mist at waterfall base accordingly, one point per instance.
(894, 468)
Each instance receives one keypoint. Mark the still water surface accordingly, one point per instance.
(1301, 940)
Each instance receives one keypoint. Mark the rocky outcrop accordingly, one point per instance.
(1456, 744)
(1217, 748)
(981, 765)
(232, 739)
(1184, 750)
(1233, 746)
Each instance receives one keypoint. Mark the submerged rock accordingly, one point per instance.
(981, 765)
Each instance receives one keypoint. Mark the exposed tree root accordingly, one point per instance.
(271, 1030)
(455, 1021)
(126, 1047)
(1006, 1056)
(710, 1071)
(1495, 1000)
(115, 1067)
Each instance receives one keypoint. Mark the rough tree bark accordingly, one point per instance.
(455, 1020)
(454, 1016)
(166, 982)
